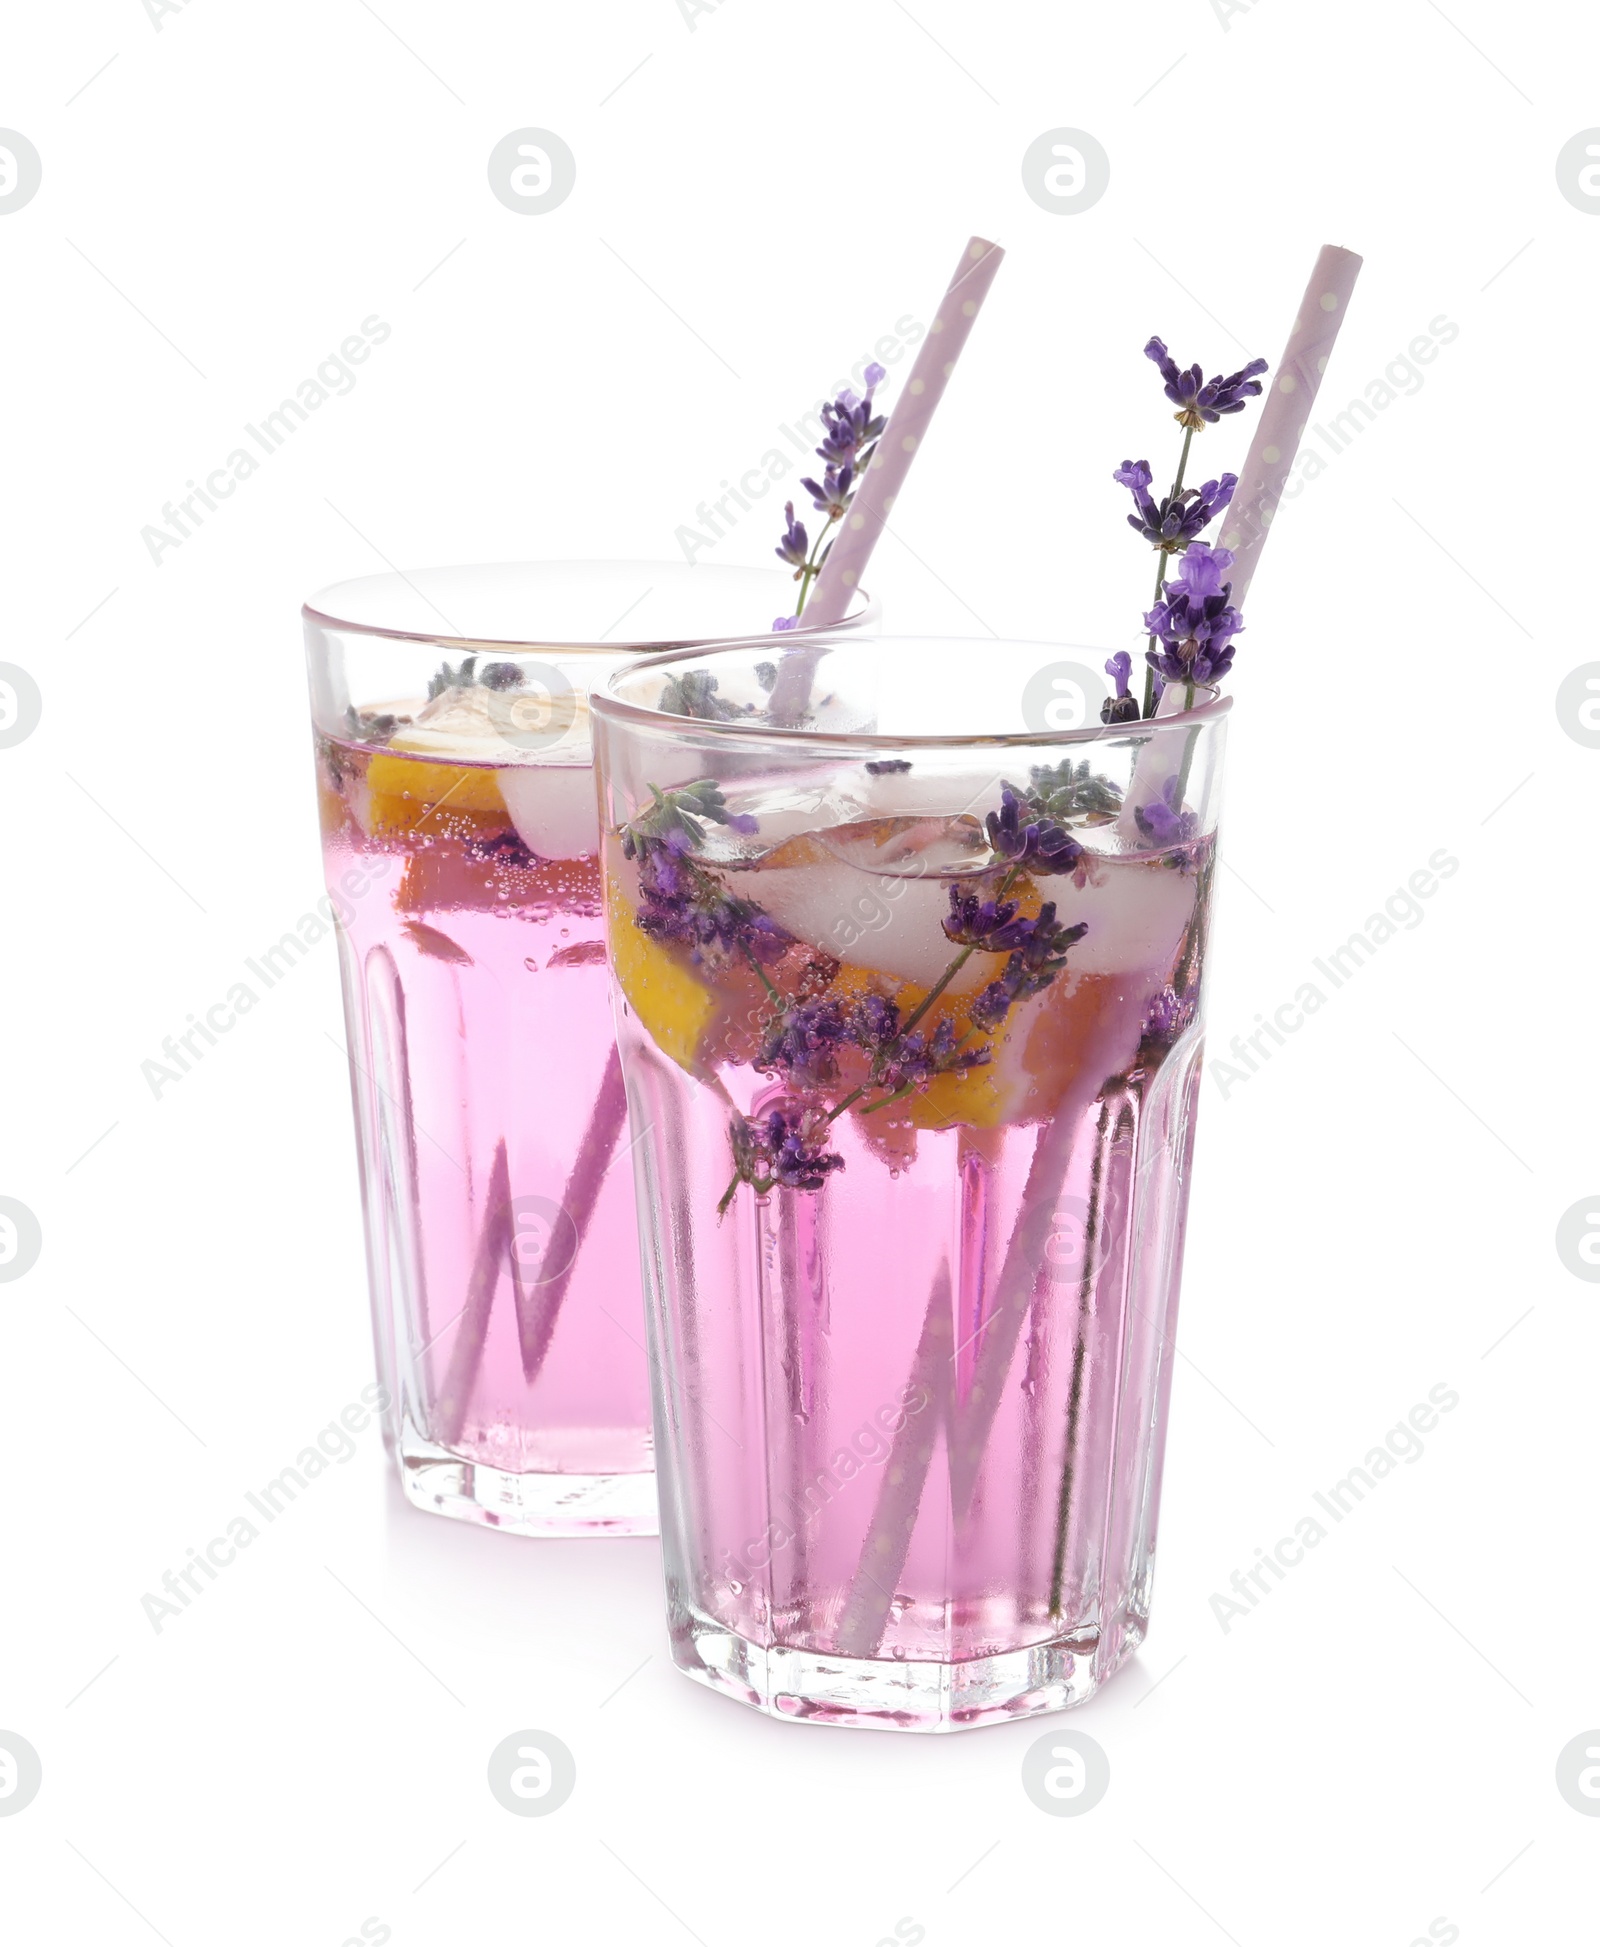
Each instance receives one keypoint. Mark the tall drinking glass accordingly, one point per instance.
(461, 842)
(908, 1001)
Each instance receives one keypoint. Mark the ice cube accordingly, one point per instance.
(932, 788)
(887, 922)
(1136, 911)
(553, 807)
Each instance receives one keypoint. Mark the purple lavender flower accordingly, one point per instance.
(906, 1061)
(1169, 1016)
(802, 1044)
(850, 431)
(874, 1023)
(991, 1007)
(1180, 517)
(1164, 822)
(694, 694)
(1033, 965)
(851, 425)
(1124, 706)
(1201, 401)
(786, 1147)
(682, 905)
(833, 496)
(795, 1140)
(1021, 837)
(1196, 623)
(795, 546)
(781, 622)
(1041, 956)
(990, 925)
(916, 1058)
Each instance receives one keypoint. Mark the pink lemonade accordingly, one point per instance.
(462, 843)
(913, 1054)
(490, 1112)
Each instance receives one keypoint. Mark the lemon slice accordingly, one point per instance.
(673, 1008)
(422, 796)
(523, 760)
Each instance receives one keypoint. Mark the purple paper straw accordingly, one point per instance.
(1286, 411)
(908, 425)
(539, 1305)
(466, 1349)
(870, 1595)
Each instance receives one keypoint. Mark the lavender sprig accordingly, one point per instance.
(1183, 514)
(687, 809)
(683, 902)
(850, 435)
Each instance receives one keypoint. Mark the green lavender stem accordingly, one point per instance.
(813, 567)
(1161, 570)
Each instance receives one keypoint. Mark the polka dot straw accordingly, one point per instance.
(1285, 411)
(903, 436)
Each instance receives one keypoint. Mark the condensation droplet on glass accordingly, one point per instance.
(736, 1588)
(531, 964)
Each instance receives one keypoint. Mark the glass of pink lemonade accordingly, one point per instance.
(461, 844)
(908, 1002)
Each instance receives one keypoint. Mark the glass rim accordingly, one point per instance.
(323, 617)
(614, 708)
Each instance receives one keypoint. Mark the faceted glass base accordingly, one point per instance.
(868, 1693)
(570, 1505)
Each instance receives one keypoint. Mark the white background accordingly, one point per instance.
(763, 190)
